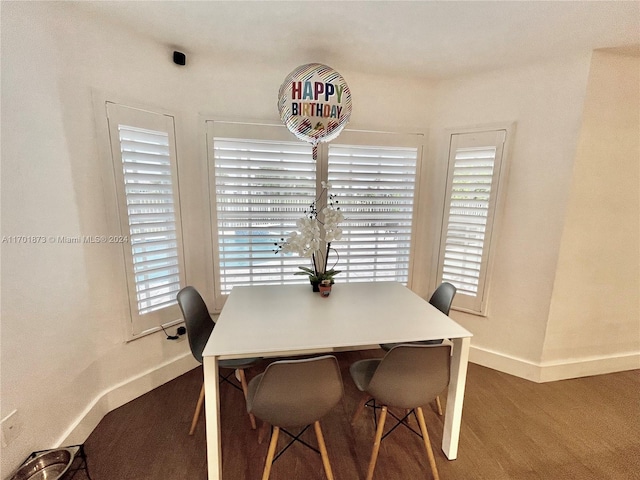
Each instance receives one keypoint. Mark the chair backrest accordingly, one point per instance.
(197, 320)
(411, 375)
(443, 297)
(295, 393)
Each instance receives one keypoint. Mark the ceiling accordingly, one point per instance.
(430, 39)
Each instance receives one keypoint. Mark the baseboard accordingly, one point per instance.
(586, 367)
(558, 370)
(122, 393)
(518, 367)
(134, 387)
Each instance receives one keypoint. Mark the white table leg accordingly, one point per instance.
(212, 417)
(455, 397)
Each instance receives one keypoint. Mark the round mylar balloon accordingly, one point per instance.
(315, 103)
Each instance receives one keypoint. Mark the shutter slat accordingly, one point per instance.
(147, 148)
(149, 198)
(149, 288)
(155, 238)
(142, 136)
(141, 179)
(144, 159)
(388, 188)
(374, 178)
(475, 204)
(269, 197)
(273, 162)
(166, 262)
(477, 180)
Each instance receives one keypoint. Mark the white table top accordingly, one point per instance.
(273, 319)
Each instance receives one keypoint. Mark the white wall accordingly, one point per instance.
(545, 102)
(63, 356)
(595, 304)
(62, 305)
(563, 295)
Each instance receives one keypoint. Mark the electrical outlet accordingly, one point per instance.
(11, 427)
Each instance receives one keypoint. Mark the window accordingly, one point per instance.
(375, 187)
(262, 179)
(144, 165)
(473, 182)
(262, 186)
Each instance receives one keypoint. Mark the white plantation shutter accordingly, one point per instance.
(375, 189)
(262, 188)
(261, 182)
(262, 179)
(144, 166)
(152, 219)
(475, 161)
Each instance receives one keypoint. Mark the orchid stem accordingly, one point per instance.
(326, 257)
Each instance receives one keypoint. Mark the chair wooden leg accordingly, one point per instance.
(359, 409)
(376, 443)
(323, 451)
(243, 383)
(262, 431)
(270, 453)
(196, 414)
(439, 405)
(407, 415)
(427, 443)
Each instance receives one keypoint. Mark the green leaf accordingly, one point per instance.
(332, 272)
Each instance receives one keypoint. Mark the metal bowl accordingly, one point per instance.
(50, 465)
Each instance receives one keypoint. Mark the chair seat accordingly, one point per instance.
(362, 371)
(238, 363)
(296, 393)
(388, 346)
(290, 394)
(409, 375)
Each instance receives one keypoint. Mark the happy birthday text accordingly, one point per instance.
(316, 91)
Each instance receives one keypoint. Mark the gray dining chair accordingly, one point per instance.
(296, 393)
(442, 298)
(199, 326)
(407, 377)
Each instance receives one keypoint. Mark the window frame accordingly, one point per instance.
(363, 138)
(246, 130)
(139, 325)
(478, 305)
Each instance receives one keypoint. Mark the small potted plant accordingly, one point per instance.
(313, 236)
(325, 287)
(317, 278)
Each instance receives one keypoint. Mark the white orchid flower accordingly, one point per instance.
(312, 238)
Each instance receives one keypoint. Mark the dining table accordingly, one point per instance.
(292, 320)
